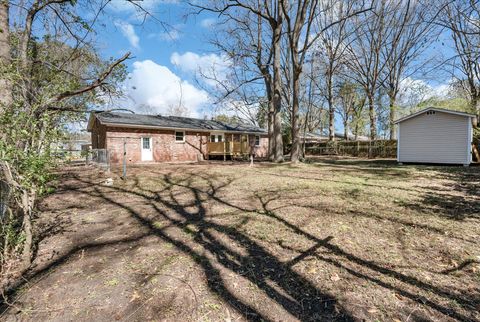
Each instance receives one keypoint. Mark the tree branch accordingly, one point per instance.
(93, 85)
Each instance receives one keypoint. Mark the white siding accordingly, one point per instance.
(435, 138)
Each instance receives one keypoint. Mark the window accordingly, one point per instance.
(146, 143)
(216, 138)
(257, 140)
(430, 112)
(179, 136)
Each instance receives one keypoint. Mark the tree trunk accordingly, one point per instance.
(27, 208)
(331, 120)
(271, 134)
(295, 153)
(475, 103)
(277, 88)
(345, 130)
(371, 112)
(392, 116)
(331, 111)
(5, 84)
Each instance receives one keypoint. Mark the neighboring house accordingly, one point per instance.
(156, 138)
(435, 135)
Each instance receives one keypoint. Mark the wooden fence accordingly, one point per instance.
(370, 149)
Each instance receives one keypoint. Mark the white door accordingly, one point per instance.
(147, 153)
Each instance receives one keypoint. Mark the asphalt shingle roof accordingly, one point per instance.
(175, 122)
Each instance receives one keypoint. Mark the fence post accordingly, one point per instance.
(124, 159)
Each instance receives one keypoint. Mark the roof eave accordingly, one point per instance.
(433, 109)
(137, 126)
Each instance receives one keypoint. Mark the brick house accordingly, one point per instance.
(156, 138)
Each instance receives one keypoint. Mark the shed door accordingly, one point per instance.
(147, 153)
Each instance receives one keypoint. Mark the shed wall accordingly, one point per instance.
(435, 138)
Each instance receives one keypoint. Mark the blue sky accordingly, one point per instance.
(165, 65)
(166, 58)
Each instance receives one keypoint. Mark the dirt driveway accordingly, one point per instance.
(332, 240)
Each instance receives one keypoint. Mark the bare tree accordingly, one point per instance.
(332, 48)
(410, 31)
(5, 84)
(462, 19)
(365, 55)
(299, 20)
(270, 13)
(53, 77)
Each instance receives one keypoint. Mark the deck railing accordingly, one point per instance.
(227, 148)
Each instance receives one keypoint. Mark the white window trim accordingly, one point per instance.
(175, 136)
(398, 142)
(469, 140)
(216, 134)
(150, 139)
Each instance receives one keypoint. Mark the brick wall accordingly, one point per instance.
(164, 147)
(98, 135)
(261, 151)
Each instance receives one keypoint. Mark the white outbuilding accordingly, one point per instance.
(435, 135)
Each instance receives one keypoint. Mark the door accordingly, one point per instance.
(147, 153)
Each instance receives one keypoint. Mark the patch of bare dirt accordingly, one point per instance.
(344, 240)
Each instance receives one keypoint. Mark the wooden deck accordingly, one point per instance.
(228, 148)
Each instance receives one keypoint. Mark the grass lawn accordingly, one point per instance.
(329, 240)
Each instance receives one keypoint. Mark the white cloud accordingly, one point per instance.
(207, 22)
(128, 32)
(156, 87)
(211, 67)
(413, 91)
(171, 35)
(148, 5)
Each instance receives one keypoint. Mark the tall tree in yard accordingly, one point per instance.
(364, 61)
(332, 47)
(299, 21)
(50, 79)
(267, 13)
(302, 34)
(409, 31)
(462, 18)
(5, 84)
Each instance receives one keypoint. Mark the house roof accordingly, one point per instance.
(170, 122)
(442, 110)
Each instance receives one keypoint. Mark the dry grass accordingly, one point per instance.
(330, 240)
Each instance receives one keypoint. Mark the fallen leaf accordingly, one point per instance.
(335, 278)
(135, 296)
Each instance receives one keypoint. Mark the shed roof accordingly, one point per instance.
(434, 109)
(170, 122)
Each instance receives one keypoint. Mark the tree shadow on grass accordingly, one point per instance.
(182, 203)
(293, 292)
(458, 199)
(264, 262)
(467, 301)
